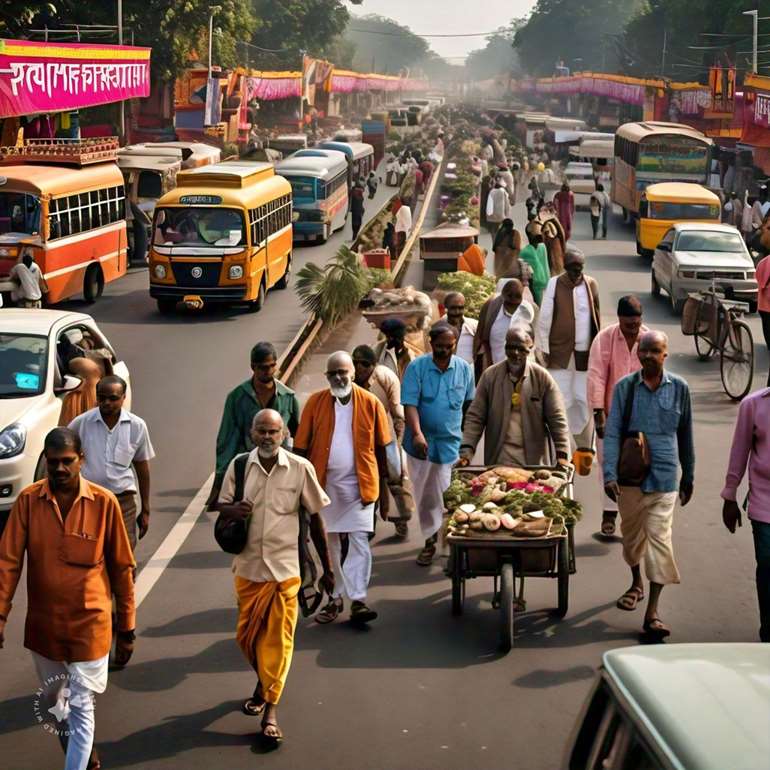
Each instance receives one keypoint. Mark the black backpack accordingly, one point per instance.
(232, 535)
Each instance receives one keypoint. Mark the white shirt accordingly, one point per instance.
(346, 512)
(109, 454)
(523, 316)
(759, 212)
(404, 220)
(29, 280)
(582, 306)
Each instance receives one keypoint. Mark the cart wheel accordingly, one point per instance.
(736, 363)
(506, 607)
(563, 577)
(457, 595)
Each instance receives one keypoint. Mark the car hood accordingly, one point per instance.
(707, 260)
(15, 409)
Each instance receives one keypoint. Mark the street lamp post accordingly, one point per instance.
(755, 16)
(122, 102)
(213, 11)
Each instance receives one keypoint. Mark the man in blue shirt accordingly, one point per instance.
(662, 411)
(436, 390)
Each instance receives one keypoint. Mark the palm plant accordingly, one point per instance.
(332, 291)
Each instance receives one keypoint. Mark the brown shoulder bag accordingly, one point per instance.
(634, 460)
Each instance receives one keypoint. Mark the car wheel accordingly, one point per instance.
(40, 469)
(677, 305)
(93, 284)
(752, 307)
(654, 285)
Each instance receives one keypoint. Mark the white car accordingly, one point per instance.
(690, 253)
(33, 386)
(582, 182)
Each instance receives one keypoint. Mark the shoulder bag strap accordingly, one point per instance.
(628, 407)
(240, 476)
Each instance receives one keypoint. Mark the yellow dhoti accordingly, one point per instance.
(267, 616)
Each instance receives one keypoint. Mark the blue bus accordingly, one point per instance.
(359, 154)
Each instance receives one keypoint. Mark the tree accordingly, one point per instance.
(383, 45)
(576, 32)
(497, 57)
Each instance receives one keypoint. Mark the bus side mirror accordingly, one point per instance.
(644, 209)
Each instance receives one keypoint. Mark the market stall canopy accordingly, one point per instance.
(38, 77)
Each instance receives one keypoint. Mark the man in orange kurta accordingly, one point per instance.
(78, 556)
(343, 432)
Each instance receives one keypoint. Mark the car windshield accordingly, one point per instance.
(19, 213)
(199, 227)
(22, 365)
(710, 241)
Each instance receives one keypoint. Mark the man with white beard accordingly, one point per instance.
(343, 432)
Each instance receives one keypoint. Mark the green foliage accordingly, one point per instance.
(378, 277)
(383, 45)
(476, 289)
(333, 291)
(496, 58)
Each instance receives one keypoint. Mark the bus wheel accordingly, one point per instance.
(93, 284)
(286, 277)
(256, 305)
(625, 214)
(166, 305)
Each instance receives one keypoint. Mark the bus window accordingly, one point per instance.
(19, 213)
(199, 227)
(150, 185)
(302, 187)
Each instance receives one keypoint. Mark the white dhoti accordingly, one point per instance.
(574, 389)
(430, 481)
(353, 570)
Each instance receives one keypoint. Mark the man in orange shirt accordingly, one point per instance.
(343, 432)
(79, 555)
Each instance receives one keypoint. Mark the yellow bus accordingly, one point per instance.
(224, 234)
(651, 152)
(664, 204)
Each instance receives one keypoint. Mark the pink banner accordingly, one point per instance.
(271, 89)
(761, 113)
(628, 93)
(52, 77)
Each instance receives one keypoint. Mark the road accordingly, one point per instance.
(419, 689)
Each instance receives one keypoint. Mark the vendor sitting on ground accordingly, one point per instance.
(520, 409)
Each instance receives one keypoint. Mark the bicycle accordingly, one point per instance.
(719, 327)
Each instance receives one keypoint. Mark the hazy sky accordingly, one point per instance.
(449, 17)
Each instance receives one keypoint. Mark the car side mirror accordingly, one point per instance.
(644, 209)
(664, 247)
(70, 383)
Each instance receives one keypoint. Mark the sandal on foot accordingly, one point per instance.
(276, 736)
(425, 557)
(402, 530)
(360, 613)
(330, 612)
(630, 599)
(608, 524)
(252, 707)
(656, 629)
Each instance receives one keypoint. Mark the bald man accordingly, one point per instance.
(343, 432)
(652, 406)
(277, 488)
(569, 321)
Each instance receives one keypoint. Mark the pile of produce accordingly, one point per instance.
(413, 307)
(476, 289)
(509, 502)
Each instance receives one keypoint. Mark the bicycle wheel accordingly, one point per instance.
(736, 362)
(703, 347)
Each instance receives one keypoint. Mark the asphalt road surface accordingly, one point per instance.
(419, 688)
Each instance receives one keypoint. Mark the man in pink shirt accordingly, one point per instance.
(612, 357)
(751, 446)
(763, 300)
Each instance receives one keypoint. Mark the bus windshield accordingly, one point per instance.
(19, 213)
(199, 227)
(684, 211)
(302, 187)
(673, 155)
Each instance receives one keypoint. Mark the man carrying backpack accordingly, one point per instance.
(272, 489)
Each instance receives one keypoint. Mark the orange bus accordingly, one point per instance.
(69, 211)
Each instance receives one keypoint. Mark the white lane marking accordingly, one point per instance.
(173, 541)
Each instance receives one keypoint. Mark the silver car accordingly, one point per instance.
(692, 253)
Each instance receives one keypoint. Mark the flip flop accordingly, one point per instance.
(251, 709)
(608, 526)
(656, 629)
(273, 740)
(634, 596)
(425, 557)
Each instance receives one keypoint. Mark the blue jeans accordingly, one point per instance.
(761, 532)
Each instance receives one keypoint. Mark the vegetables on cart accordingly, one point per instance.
(509, 501)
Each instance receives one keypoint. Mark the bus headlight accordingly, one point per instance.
(160, 271)
(235, 272)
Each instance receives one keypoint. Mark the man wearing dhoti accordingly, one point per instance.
(343, 432)
(437, 389)
(276, 486)
(568, 323)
